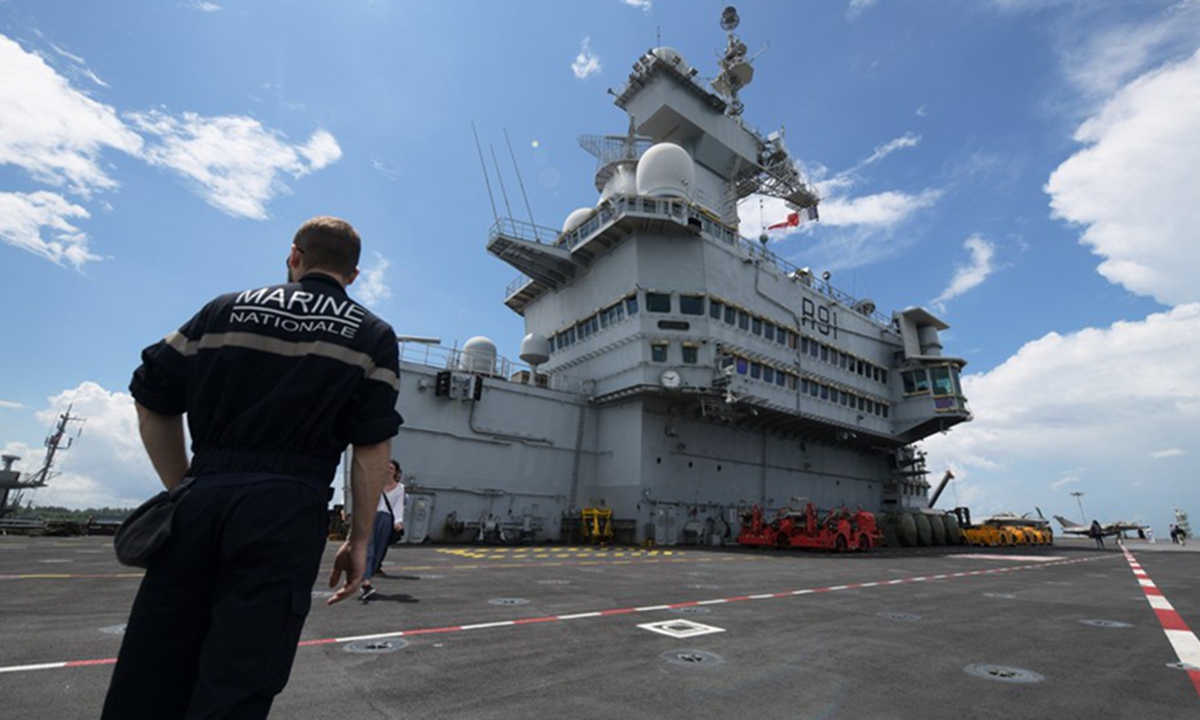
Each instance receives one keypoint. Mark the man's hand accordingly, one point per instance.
(352, 560)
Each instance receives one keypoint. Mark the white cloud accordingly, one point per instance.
(52, 131)
(80, 66)
(1168, 453)
(1134, 187)
(236, 163)
(1098, 59)
(1091, 406)
(586, 62)
(858, 7)
(371, 287)
(970, 276)
(204, 6)
(386, 168)
(1065, 480)
(643, 5)
(907, 140)
(106, 466)
(321, 150)
(10, 405)
(847, 179)
(40, 223)
(880, 210)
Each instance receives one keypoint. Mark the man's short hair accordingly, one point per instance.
(329, 243)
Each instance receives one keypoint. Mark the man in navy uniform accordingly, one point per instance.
(275, 382)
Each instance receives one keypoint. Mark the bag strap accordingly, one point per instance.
(389, 505)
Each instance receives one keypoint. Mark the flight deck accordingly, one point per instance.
(474, 631)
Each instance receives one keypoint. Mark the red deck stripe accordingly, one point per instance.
(1169, 619)
(629, 610)
(89, 663)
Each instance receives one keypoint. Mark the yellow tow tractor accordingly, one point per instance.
(1004, 530)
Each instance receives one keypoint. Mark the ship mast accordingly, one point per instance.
(12, 487)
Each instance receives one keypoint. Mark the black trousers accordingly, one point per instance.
(214, 627)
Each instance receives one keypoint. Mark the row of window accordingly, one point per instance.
(660, 302)
(582, 330)
(660, 353)
(733, 315)
(941, 379)
(786, 378)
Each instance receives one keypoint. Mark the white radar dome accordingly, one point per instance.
(672, 56)
(576, 218)
(666, 170)
(535, 349)
(478, 356)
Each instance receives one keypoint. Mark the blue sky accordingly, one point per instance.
(1025, 168)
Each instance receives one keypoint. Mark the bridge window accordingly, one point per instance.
(769, 331)
(658, 352)
(631, 305)
(691, 304)
(690, 354)
(743, 319)
(755, 370)
(768, 374)
(658, 302)
(915, 381)
(714, 309)
(943, 382)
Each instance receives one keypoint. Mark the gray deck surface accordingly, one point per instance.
(1005, 633)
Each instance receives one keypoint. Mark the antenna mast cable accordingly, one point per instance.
(486, 181)
(521, 183)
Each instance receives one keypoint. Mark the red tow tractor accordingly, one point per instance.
(838, 530)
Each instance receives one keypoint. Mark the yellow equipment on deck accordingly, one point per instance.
(596, 526)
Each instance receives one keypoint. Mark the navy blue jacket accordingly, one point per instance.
(278, 379)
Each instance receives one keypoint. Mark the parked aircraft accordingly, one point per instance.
(1114, 528)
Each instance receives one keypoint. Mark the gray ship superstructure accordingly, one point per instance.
(677, 373)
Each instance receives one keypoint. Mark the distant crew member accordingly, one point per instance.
(275, 383)
(389, 526)
(1098, 533)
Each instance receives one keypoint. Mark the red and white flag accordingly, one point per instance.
(794, 219)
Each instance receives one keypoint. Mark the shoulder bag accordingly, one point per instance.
(149, 526)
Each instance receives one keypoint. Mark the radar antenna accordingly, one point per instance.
(776, 174)
(612, 151)
(611, 148)
(736, 69)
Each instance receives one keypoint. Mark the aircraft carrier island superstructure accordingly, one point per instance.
(675, 373)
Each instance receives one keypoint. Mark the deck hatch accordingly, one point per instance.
(1001, 673)
(680, 629)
